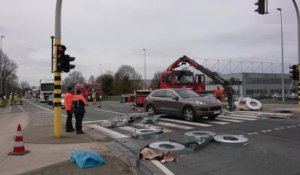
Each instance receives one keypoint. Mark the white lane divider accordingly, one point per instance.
(108, 132)
(49, 110)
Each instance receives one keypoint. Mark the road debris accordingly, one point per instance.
(146, 133)
(248, 104)
(123, 120)
(150, 154)
(230, 139)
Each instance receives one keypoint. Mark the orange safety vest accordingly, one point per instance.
(68, 101)
(219, 93)
(80, 97)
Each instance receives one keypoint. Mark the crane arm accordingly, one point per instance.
(214, 76)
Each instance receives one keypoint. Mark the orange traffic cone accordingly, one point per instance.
(19, 148)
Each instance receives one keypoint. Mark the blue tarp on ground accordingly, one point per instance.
(87, 159)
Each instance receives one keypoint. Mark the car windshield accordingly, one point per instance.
(186, 93)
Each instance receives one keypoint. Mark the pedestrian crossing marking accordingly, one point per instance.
(229, 120)
(217, 122)
(174, 125)
(240, 115)
(241, 118)
(151, 127)
(111, 133)
(185, 122)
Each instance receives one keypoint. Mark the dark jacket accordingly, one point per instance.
(78, 104)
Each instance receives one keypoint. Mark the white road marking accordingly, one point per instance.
(94, 121)
(151, 127)
(277, 129)
(162, 167)
(108, 132)
(185, 122)
(268, 113)
(240, 118)
(174, 125)
(21, 108)
(229, 120)
(49, 110)
(217, 122)
(111, 112)
(248, 116)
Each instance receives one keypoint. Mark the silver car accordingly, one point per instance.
(182, 102)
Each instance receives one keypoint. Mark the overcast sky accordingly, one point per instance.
(115, 32)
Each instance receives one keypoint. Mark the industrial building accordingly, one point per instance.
(264, 84)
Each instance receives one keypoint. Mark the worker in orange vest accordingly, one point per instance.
(219, 93)
(68, 108)
(79, 103)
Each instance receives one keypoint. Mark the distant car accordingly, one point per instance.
(292, 96)
(182, 102)
(50, 100)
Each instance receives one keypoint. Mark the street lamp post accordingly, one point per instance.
(145, 63)
(282, 63)
(298, 27)
(2, 36)
(100, 69)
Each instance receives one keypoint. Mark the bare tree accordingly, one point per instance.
(73, 79)
(155, 81)
(92, 78)
(126, 80)
(8, 70)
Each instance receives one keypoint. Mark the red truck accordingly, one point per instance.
(184, 78)
(88, 88)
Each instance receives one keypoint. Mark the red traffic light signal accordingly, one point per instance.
(63, 61)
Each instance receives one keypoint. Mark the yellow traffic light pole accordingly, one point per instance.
(57, 75)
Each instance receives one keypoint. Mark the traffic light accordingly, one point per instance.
(261, 7)
(294, 72)
(66, 63)
(63, 60)
(60, 57)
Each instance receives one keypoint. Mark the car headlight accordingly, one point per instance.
(200, 103)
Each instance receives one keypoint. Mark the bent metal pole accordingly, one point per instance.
(57, 75)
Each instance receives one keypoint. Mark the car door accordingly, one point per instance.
(172, 105)
(158, 98)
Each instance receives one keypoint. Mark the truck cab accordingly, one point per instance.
(182, 79)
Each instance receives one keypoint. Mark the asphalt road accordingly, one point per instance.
(273, 146)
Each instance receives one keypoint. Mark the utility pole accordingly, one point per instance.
(145, 63)
(1, 70)
(282, 62)
(57, 74)
(298, 22)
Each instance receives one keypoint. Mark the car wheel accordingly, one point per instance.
(151, 108)
(211, 117)
(189, 114)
